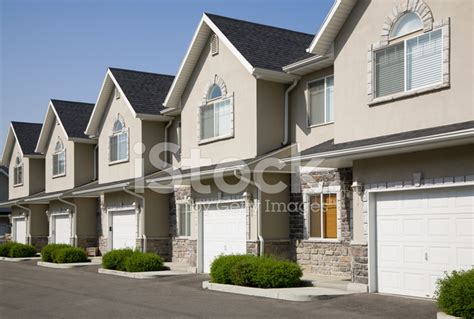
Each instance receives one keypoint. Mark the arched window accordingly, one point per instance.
(407, 23)
(118, 141)
(59, 159)
(216, 115)
(18, 171)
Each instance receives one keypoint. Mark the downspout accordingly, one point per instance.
(28, 233)
(74, 218)
(166, 142)
(287, 106)
(142, 216)
(259, 212)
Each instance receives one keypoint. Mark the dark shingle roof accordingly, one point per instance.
(4, 168)
(27, 135)
(264, 46)
(74, 116)
(329, 145)
(145, 91)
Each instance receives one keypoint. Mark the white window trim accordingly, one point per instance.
(15, 168)
(178, 223)
(405, 60)
(307, 214)
(220, 137)
(308, 104)
(119, 161)
(63, 150)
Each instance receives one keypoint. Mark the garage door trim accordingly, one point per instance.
(53, 223)
(372, 226)
(110, 212)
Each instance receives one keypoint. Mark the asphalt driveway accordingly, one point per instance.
(29, 291)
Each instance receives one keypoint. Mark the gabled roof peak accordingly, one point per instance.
(138, 71)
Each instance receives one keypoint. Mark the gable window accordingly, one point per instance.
(18, 171)
(321, 101)
(411, 63)
(184, 220)
(216, 115)
(118, 142)
(59, 160)
(323, 216)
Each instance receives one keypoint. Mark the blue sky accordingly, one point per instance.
(62, 48)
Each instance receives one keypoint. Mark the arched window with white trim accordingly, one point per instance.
(59, 159)
(408, 23)
(118, 142)
(216, 113)
(18, 171)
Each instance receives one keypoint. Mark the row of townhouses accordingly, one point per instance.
(350, 151)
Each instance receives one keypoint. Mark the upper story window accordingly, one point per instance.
(321, 101)
(323, 216)
(118, 142)
(59, 159)
(407, 23)
(18, 171)
(216, 115)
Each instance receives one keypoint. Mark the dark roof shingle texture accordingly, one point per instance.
(264, 46)
(74, 116)
(27, 135)
(145, 91)
(329, 145)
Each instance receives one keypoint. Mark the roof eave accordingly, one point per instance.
(8, 147)
(331, 26)
(274, 76)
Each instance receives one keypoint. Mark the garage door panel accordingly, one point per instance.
(436, 235)
(20, 230)
(124, 229)
(62, 228)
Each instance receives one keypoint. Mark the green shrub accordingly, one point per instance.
(69, 255)
(115, 259)
(143, 262)
(47, 251)
(18, 250)
(5, 249)
(455, 294)
(254, 271)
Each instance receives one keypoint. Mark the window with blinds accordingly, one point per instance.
(410, 64)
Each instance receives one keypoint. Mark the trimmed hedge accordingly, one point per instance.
(455, 294)
(5, 249)
(17, 250)
(132, 261)
(69, 255)
(139, 262)
(48, 250)
(115, 259)
(254, 271)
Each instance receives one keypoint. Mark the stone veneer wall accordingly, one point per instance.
(281, 249)
(103, 245)
(39, 242)
(360, 270)
(86, 242)
(158, 245)
(326, 258)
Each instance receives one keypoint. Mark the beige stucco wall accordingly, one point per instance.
(125, 170)
(447, 162)
(83, 163)
(152, 134)
(238, 82)
(86, 217)
(21, 190)
(355, 119)
(36, 175)
(300, 133)
(54, 184)
(275, 216)
(270, 115)
(174, 159)
(38, 219)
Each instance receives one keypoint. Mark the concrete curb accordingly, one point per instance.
(142, 275)
(15, 260)
(66, 266)
(290, 294)
(442, 315)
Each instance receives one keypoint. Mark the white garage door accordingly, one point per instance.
(124, 229)
(62, 229)
(19, 226)
(421, 234)
(224, 231)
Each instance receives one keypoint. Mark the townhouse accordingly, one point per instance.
(350, 151)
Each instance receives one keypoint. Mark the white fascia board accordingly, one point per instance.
(8, 147)
(468, 133)
(338, 8)
(83, 140)
(89, 128)
(301, 65)
(152, 117)
(47, 126)
(101, 189)
(184, 64)
(42, 199)
(274, 76)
